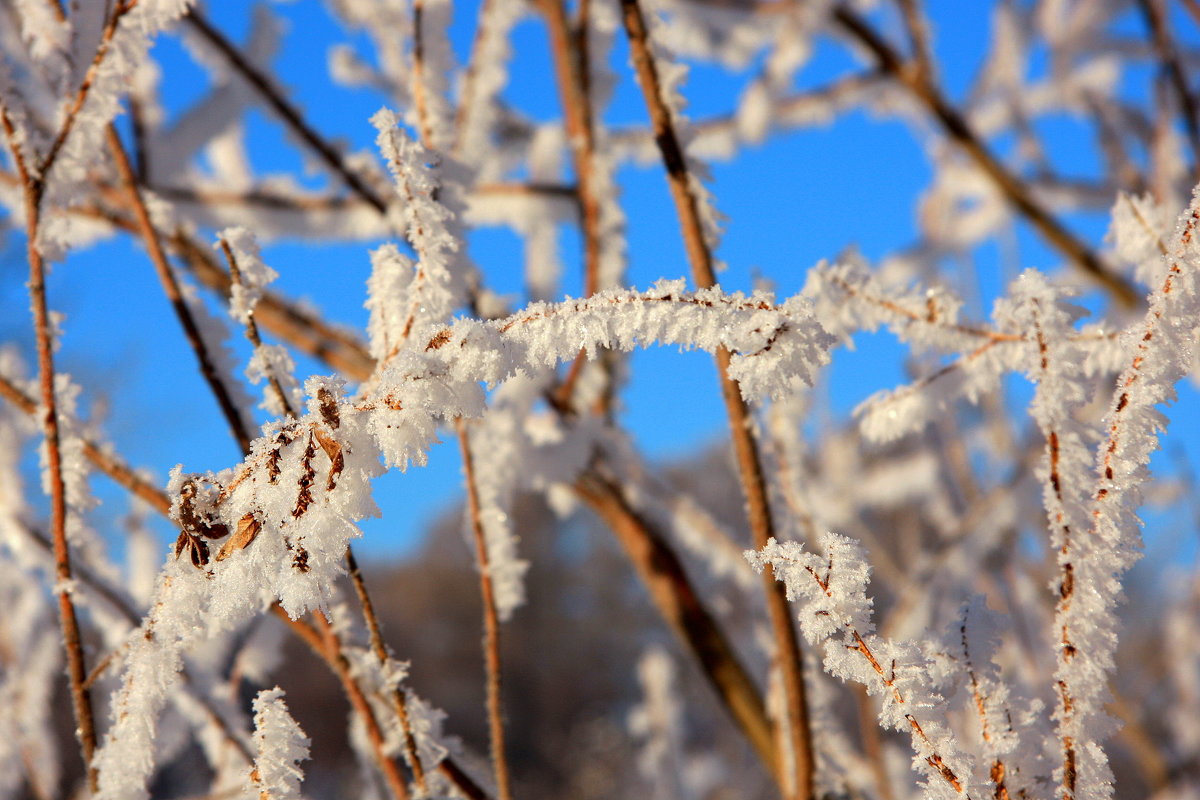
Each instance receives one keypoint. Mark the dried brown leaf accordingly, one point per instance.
(247, 530)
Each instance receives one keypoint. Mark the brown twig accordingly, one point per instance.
(955, 126)
(347, 354)
(1065, 647)
(286, 111)
(917, 28)
(887, 677)
(300, 328)
(49, 419)
(1168, 55)
(788, 657)
(998, 770)
(324, 642)
(171, 287)
(571, 71)
(399, 699)
(89, 78)
(111, 466)
(420, 92)
(572, 76)
(491, 620)
(681, 608)
(158, 500)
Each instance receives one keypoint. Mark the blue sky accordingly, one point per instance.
(790, 202)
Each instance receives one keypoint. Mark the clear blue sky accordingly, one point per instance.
(796, 199)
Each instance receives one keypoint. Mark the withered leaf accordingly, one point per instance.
(336, 460)
(329, 408)
(197, 549)
(247, 530)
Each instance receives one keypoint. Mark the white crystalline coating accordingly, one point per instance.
(1139, 231)
(280, 746)
(435, 288)
(836, 615)
(486, 79)
(499, 454)
(107, 80)
(152, 664)
(832, 584)
(753, 117)
(771, 344)
(658, 719)
(1158, 353)
(274, 361)
(32, 656)
(254, 275)
(392, 274)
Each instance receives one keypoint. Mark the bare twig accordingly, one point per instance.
(324, 642)
(171, 287)
(286, 111)
(571, 71)
(797, 736)
(681, 608)
(1168, 55)
(955, 126)
(491, 620)
(49, 420)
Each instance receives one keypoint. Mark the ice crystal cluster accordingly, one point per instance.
(940, 593)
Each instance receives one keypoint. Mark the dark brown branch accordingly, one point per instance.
(323, 641)
(955, 126)
(788, 656)
(286, 111)
(1153, 11)
(166, 276)
(681, 608)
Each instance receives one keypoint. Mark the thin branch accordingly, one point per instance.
(420, 93)
(324, 642)
(788, 656)
(1153, 11)
(158, 500)
(399, 699)
(89, 78)
(917, 27)
(171, 288)
(887, 678)
(286, 111)
(491, 620)
(72, 641)
(682, 609)
(570, 71)
(955, 126)
(111, 466)
(572, 76)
